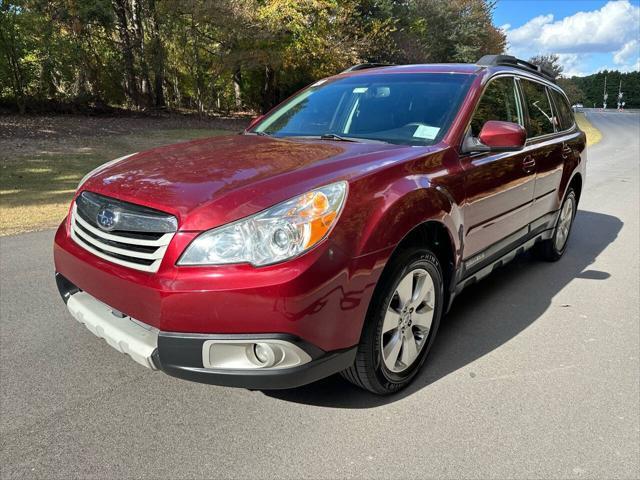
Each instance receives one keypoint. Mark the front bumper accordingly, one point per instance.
(183, 355)
(321, 297)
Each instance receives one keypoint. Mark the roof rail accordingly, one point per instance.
(364, 66)
(511, 61)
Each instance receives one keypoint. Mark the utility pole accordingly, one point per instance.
(605, 95)
(620, 102)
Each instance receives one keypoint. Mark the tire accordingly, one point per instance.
(418, 318)
(551, 250)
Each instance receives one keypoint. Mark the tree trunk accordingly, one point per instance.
(158, 57)
(176, 91)
(138, 24)
(121, 8)
(237, 90)
(269, 91)
(80, 86)
(197, 72)
(8, 42)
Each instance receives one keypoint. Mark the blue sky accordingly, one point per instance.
(588, 35)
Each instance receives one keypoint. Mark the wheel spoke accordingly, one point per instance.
(423, 289)
(405, 290)
(391, 320)
(409, 349)
(392, 349)
(423, 319)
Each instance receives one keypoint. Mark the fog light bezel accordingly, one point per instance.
(239, 354)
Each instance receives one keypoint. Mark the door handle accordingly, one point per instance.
(528, 164)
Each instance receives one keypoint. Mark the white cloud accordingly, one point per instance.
(529, 32)
(574, 64)
(628, 67)
(628, 53)
(613, 29)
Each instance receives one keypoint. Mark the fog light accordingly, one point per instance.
(264, 354)
(240, 354)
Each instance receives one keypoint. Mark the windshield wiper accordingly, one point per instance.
(260, 134)
(333, 136)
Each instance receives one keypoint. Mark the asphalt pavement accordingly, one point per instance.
(535, 374)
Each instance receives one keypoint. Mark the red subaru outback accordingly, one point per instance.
(331, 235)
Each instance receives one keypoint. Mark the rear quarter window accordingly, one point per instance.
(565, 114)
(538, 107)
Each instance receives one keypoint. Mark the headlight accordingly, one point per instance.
(102, 167)
(273, 235)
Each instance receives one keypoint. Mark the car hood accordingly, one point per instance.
(213, 181)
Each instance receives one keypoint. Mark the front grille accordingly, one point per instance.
(137, 238)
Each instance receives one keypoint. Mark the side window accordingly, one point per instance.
(540, 112)
(564, 110)
(499, 102)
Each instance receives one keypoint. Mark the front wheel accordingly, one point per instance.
(553, 248)
(401, 323)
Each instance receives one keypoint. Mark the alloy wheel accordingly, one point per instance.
(564, 223)
(408, 320)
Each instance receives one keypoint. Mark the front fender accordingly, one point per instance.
(381, 220)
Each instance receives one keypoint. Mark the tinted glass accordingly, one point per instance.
(408, 108)
(499, 102)
(540, 112)
(565, 113)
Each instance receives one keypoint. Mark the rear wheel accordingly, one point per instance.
(553, 248)
(401, 323)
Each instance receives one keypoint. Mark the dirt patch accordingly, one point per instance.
(42, 158)
(22, 135)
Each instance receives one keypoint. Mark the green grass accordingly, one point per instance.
(593, 134)
(36, 188)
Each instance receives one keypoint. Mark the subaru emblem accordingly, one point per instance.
(107, 219)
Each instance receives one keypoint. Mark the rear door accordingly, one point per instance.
(545, 147)
(570, 142)
(499, 186)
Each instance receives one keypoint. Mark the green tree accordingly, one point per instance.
(219, 55)
(573, 91)
(549, 62)
(593, 87)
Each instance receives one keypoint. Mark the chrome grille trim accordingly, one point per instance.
(132, 218)
(131, 258)
(164, 240)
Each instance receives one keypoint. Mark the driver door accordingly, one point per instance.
(499, 186)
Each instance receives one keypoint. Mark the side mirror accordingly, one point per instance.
(497, 136)
(253, 122)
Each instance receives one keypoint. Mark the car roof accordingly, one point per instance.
(467, 68)
(457, 68)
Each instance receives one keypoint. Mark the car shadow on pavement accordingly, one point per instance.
(484, 316)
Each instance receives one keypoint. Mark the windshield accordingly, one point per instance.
(406, 109)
